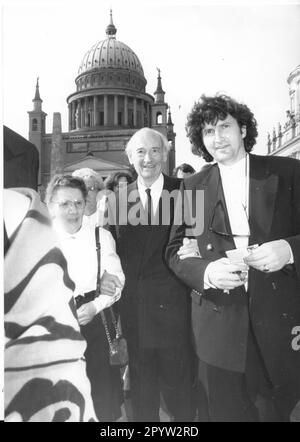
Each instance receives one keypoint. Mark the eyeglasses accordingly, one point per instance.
(66, 205)
(219, 214)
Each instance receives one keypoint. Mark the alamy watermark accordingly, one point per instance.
(296, 339)
(179, 208)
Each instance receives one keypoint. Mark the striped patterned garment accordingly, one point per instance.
(44, 370)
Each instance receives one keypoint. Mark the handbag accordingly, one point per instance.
(118, 353)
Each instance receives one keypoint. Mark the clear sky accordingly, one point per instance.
(244, 49)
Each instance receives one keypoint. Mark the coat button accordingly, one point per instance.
(209, 247)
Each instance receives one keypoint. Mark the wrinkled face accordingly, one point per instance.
(225, 140)
(148, 156)
(67, 208)
(91, 200)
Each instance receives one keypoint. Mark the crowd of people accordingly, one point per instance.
(208, 304)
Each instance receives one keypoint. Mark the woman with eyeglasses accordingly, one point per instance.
(66, 200)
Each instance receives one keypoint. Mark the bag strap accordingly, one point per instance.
(98, 249)
(115, 323)
(97, 235)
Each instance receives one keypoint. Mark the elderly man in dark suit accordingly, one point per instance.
(155, 305)
(246, 300)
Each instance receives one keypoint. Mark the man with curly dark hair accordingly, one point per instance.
(244, 268)
(211, 109)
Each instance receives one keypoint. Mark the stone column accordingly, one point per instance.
(116, 110)
(56, 165)
(86, 111)
(70, 115)
(134, 112)
(148, 114)
(78, 118)
(96, 113)
(105, 110)
(81, 113)
(125, 110)
(73, 122)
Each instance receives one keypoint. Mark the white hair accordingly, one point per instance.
(86, 172)
(131, 142)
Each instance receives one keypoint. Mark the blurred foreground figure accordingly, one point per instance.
(45, 374)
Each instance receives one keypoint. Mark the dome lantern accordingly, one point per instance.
(111, 30)
(110, 63)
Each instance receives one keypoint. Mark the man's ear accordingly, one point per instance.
(165, 155)
(129, 156)
(244, 131)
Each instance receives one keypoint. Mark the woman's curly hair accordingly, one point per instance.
(211, 109)
(61, 181)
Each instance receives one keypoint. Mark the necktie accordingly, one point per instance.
(149, 208)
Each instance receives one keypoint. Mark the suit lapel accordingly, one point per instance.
(215, 210)
(263, 191)
(134, 213)
(157, 233)
(135, 207)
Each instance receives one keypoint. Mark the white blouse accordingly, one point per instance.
(80, 252)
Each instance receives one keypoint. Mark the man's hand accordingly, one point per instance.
(109, 283)
(189, 249)
(86, 313)
(270, 257)
(221, 274)
(104, 301)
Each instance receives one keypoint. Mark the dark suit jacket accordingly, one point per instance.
(220, 321)
(154, 305)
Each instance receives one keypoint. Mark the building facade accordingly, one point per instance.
(285, 141)
(110, 103)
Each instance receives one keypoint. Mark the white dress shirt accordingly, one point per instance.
(156, 191)
(235, 182)
(80, 252)
(236, 187)
(91, 220)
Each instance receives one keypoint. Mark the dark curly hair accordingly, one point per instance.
(112, 180)
(63, 181)
(184, 167)
(211, 109)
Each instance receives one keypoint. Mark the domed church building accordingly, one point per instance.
(110, 103)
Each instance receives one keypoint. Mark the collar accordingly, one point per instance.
(156, 190)
(236, 169)
(157, 185)
(65, 235)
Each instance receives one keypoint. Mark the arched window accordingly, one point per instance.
(159, 118)
(34, 125)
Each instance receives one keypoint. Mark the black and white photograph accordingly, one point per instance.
(151, 213)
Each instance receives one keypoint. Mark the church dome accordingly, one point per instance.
(110, 53)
